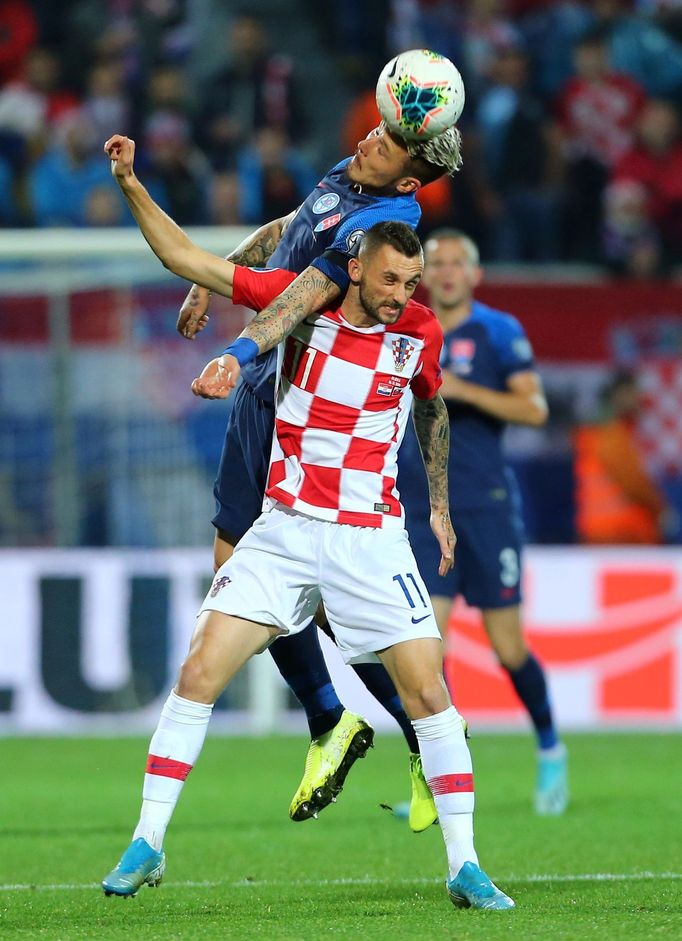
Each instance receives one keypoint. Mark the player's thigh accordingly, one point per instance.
(372, 591)
(272, 575)
(221, 645)
(488, 556)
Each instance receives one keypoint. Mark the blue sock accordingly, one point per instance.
(380, 685)
(300, 660)
(531, 687)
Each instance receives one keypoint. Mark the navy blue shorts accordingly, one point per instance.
(487, 569)
(243, 468)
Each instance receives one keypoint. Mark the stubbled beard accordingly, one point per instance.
(372, 310)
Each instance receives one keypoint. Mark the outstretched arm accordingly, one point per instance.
(523, 401)
(166, 239)
(433, 433)
(253, 252)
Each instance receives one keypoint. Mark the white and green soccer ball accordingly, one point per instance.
(420, 94)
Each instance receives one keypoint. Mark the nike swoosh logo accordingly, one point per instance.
(419, 620)
(395, 66)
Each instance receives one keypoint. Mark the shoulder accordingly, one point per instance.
(418, 320)
(496, 321)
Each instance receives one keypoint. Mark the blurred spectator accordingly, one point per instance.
(520, 162)
(273, 177)
(256, 90)
(18, 33)
(597, 110)
(361, 116)
(616, 499)
(630, 241)
(486, 31)
(62, 181)
(655, 162)
(550, 32)
(640, 48)
(31, 104)
(106, 103)
(7, 207)
(223, 199)
(104, 207)
(178, 171)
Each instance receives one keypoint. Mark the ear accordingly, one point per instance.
(477, 277)
(355, 270)
(408, 184)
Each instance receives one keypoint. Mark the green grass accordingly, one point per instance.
(67, 808)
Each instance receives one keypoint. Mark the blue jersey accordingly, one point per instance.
(333, 218)
(486, 349)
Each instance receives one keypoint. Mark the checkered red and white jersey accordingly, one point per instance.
(343, 399)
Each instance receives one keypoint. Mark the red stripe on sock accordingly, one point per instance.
(167, 767)
(451, 784)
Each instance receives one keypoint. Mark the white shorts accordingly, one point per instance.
(367, 579)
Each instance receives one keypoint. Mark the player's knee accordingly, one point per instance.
(427, 698)
(511, 654)
(195, 681)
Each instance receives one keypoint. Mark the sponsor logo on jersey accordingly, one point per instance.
(462, 351)
(382, 508)
(521, 348)
(327, 223)
(219, 583)
(325, 203)
(353, 239)
(402, 350)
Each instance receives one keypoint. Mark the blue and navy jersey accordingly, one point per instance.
(486, 349)
(333, 217)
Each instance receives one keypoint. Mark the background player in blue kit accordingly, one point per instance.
(377, 184)
(489, 379)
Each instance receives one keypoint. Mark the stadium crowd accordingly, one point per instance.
(572, 135)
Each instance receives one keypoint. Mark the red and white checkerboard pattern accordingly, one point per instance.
(343, 401)
(660, 426)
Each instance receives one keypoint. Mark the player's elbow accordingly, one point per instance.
(538, 412)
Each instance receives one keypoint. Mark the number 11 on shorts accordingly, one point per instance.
(406, 591)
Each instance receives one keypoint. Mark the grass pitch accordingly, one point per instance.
(238, 868)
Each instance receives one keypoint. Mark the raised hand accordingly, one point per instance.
(218, 378)
(121, 152)
(193, 315)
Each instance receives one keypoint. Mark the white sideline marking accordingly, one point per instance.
(365, 880)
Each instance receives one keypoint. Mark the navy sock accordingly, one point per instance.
(300, 660)
(531, 687)
(380, 685)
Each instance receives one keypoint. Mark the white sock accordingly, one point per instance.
(173, 750)
(447, 768)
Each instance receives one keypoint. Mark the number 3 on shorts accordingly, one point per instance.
(509, 567)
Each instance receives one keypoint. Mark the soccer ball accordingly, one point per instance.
(420, 94)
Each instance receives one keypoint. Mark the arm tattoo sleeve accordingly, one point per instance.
(433, 433)
(308, 293)
(257, 249)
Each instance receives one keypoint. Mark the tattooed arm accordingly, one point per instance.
(310, 292)
(433, 433)
(253, 252)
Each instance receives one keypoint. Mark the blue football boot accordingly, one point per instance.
(472, 888)
(551, 793)
(139, 864)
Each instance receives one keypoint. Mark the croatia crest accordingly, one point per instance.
(219, 583)
(402, 350)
